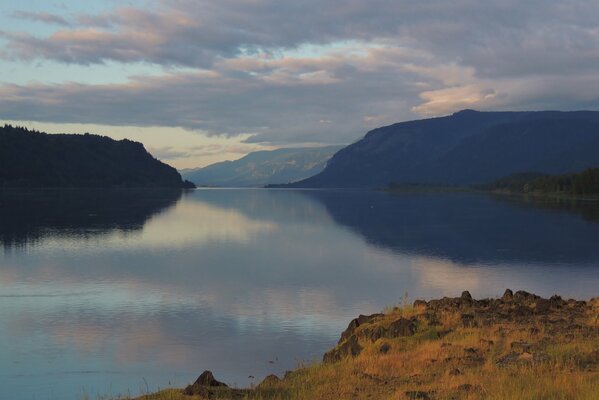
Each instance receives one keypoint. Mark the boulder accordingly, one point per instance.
(420, 395)
(420, 305)
(401, 327)
(508, 295)
(542, 306)
(356, 322)
(349, 348)
(269, 380)
(200, 386)
(384, 349)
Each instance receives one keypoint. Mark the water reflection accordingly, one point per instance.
(232, 279)
(29, 216)
(470, 228)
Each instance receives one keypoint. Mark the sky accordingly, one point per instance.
(199, 81)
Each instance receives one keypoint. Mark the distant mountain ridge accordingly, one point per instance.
(36, 159)
(264, 167)
(465, 148)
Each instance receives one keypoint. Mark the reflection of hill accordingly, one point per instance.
(30, 215)
(589, 209)
(266, 205)
(466, 228)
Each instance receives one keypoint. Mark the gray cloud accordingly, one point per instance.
(371, 63)
(500, 37)
(328, 99)
(46, 18)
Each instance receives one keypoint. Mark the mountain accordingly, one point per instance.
(468, 147)
(264, 167)
(35, 159)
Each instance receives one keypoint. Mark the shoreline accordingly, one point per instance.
(496, 192)
(517, 346)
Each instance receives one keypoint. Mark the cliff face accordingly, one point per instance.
(34, 159)
(465, 148)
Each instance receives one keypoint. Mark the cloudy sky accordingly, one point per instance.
(199, 81)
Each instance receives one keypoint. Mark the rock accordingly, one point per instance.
(201, 385)
(356, 322)
(443, 333)
(455, 372)
(420, 395)
(524, 297)
(508, 295)
(401, 327)
(207, 379)
(288, 374)
(542, 306)
(521, 358)
(507, 359)
(520, 347)
(420, 304)
(557, 302)
(349, 348)
(384, 349)
(398, 328)
(269, 380)
(201, 391)
(466, 295)
(521, 311)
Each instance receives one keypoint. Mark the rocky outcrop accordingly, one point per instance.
(369, 328)
(202, 385)
(556, 315)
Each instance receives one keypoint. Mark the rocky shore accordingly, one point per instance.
(518, 346)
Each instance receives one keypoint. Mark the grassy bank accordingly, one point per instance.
(517, 347)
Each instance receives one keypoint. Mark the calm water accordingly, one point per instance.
(121, 292)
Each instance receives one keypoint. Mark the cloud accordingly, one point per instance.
(276, 70)
(46, 18)
(496, 37)
(279, 100)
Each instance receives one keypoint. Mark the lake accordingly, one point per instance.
(127, 291)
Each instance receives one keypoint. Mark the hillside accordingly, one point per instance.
(264, 167)
(466, 148)
(34, 159)
(519, 346)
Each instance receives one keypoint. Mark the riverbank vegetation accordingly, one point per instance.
(585, 183)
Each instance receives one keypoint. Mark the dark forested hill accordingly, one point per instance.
(581, 183)
(34, 159)
(263, 167)
(465, 148)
